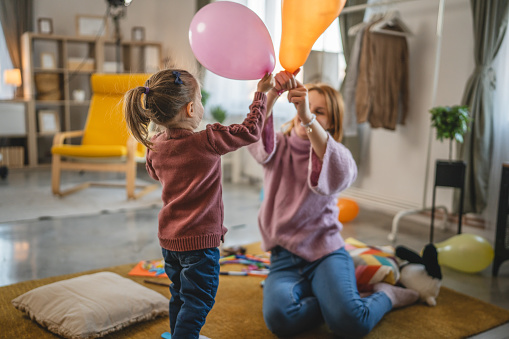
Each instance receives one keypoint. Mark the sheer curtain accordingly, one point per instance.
(489, 28)
(501, 131)
(16, 18)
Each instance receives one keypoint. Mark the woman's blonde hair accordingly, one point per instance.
(166, 93)
(334, 106)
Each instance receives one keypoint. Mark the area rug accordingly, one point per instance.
(238, 313)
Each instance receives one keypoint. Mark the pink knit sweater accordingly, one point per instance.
(299, 211)
(188, 165)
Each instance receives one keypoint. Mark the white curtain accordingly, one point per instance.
(501, 132)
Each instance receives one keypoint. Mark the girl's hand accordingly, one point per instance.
(266, 83)
(286, 81)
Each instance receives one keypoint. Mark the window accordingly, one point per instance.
(330, 41)
(236, 96)
(6, 91)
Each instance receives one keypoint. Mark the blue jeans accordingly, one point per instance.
(194, 279)
(299, 295)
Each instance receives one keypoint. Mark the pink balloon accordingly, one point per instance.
(230, 40)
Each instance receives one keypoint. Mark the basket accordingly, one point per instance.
(12, 157)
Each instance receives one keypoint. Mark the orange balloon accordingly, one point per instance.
(303, 23)
(348, 209)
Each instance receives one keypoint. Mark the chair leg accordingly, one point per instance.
(130, 180)
(55, 174)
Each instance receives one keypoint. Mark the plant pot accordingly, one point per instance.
(449, 173)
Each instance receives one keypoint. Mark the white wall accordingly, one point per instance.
(394, 170)
(392, 175)
(166, 21)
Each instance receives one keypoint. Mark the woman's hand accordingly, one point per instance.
(266, 83)
(299, 97)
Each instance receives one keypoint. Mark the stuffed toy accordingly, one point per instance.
(421, 274)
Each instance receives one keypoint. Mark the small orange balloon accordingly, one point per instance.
(348, 209)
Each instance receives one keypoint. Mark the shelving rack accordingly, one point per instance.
(56, 66)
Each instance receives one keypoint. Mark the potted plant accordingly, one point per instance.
(218, 113)
(205, 95)
(450, 122)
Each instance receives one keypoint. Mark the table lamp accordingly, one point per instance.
(13, 77)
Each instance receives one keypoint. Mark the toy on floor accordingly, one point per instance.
(465, 252)
(149, 268)
(348, 209)
(373, 264)
(421, 274)
(254, 265)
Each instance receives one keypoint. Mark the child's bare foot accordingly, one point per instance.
(400, 297)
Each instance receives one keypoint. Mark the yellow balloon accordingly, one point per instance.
(465, 252)
(303, 22)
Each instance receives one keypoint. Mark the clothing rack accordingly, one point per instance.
(357, 8)
(439, 30)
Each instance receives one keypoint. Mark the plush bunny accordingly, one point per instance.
(421, 274)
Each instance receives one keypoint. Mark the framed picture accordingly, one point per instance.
(91, 25)
(48, 61)
(45, 25)
(49, 122)
(138, 33)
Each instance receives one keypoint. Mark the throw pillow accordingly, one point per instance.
(91, 306)
(372, 264)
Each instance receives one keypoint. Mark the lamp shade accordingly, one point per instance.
(12, 77)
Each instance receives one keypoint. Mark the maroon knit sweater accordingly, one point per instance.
(188, 165)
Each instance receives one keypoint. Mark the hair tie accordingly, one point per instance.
(177, 78)
(146, 90)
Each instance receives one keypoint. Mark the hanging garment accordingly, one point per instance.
(382, 85)
(391, 70)
(364, 90)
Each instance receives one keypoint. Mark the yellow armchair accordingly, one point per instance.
(106, 144)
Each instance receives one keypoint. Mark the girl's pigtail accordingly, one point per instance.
(136, 115)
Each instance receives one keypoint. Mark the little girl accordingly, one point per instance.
(188, 165)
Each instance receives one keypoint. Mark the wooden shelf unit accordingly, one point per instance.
(67, 62)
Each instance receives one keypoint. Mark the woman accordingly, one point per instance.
(312, 276)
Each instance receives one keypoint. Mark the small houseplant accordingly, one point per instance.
(204, 97)
(451, 122)
(218, 113)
